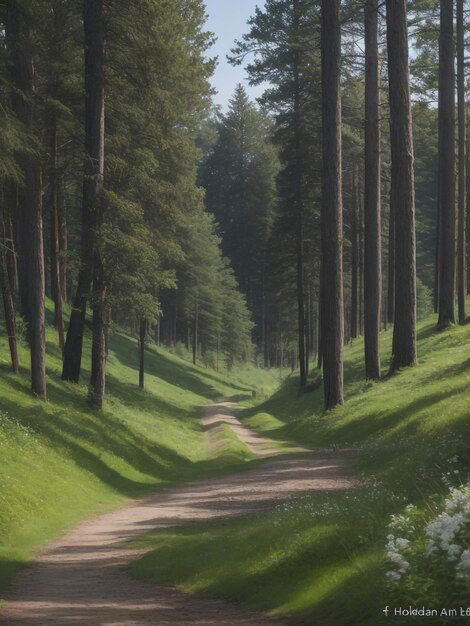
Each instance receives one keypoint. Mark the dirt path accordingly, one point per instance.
(221, 413)
(82, 579)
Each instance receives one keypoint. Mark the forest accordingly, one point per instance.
(303, 255)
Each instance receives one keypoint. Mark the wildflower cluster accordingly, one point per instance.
(432, 554)
(449, 532)
(399, 545)
(306, 508)
(395, 548)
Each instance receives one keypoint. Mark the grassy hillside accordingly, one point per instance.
(323, 557)
(61, 461)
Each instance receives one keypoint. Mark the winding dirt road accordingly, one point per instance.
(82, 577)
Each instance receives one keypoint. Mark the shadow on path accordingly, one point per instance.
(82, 578)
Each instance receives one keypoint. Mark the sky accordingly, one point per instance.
(227, 20)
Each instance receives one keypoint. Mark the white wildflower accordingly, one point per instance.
(453, 552)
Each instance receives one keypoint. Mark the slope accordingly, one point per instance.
(61, 462)
(323, 557)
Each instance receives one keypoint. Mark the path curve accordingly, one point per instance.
(82, 578)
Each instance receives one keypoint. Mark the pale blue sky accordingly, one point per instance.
(227, 19)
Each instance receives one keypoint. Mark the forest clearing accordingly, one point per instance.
(234, 370)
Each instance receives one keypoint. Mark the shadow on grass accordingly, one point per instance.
(309, 579)
(161, 366)
(92, 439)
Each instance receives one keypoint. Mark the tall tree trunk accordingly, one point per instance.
(92, 183)
(360, 249)
(354, 255)
(37, 325)
(299, 202)
(54, 236)
(99, 342)
(10, 315)
(32, 276)
(265, 331)
(391, 265)
(307, 334)
(63, 243)
(17, 37)
(142, 331)
(467, 203)
(312, 324)
(195, 333)
(372, 208)
(174, 329)
(7, 296)
(461, 232)
(331, 216)
(447, 165)
(402, 187)
(319, 336)
(11, 206)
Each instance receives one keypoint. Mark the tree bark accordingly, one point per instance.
(37, 325)
(142, 331)
(360, 255)
(319, 331)
(99, 342)
(63, 243)
(54, 236)
(307, 335)
(195, 333)
(402, 187)
(265, 331)
(93, 22)
(11, 210)
(446, 165)
(354, 255)
(467, 203)
(299, 203)
(461, 232)
(372, 208)
(8, 301)
(391, 265)
(331, 214)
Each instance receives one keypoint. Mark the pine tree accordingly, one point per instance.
(290, 63)
(402, 187)
(446, 174)
(93, 21)
(332, 273)
(372, 191)
(461, 222)
(239, 178)
(19, 38)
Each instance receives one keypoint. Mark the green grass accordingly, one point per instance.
(321, 558)
(61, 461)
